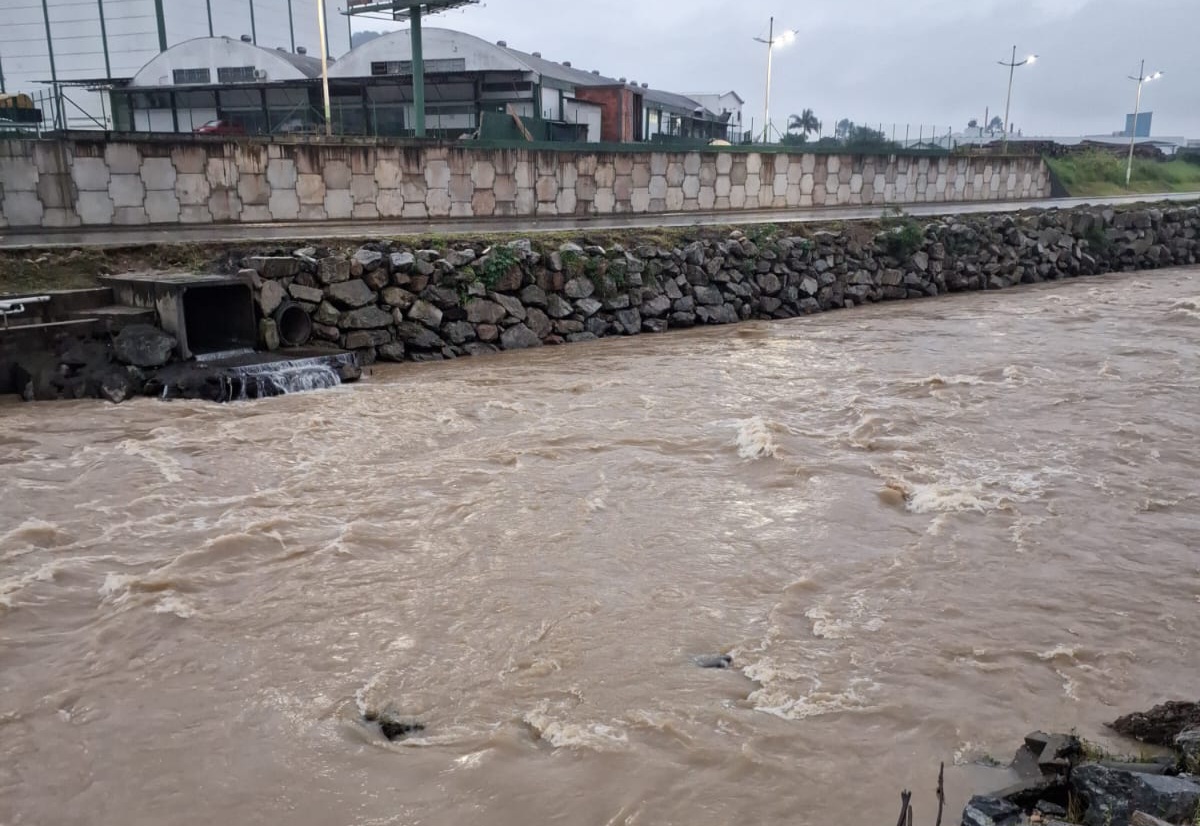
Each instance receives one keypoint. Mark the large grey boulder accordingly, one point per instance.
(273, 266)
(350, 294)
(519, 337)
(1113, 795)
(481, 311)
(579, 288)
(990, 811)
(271, 296)
(366, 318)
(369, 259)
(425, 313)
(143, 345)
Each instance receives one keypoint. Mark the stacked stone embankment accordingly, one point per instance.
(395, 302)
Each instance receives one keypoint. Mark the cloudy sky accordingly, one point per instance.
(931, 62)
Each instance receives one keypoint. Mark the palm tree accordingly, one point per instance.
(805, 123)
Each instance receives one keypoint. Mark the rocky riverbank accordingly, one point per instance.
(1064, 780)
(394, 302)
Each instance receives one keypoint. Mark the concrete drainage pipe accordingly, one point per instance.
(295, 327)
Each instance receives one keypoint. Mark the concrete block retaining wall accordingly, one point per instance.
(83, 182)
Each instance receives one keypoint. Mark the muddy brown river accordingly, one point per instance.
(920, 529)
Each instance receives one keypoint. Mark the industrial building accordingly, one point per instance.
(65, 54)
(473, 88)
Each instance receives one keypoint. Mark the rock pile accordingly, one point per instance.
(391, 302)
(1063, 782)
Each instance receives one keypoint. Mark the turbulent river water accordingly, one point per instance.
(920, 529)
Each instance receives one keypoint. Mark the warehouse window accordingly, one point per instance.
(404, 67)
(186, 76)
(235, 74)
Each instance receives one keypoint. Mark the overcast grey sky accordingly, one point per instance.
(917, 61)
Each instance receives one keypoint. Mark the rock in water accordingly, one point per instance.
(1113, 795)
(714, 661)
(143, 346)
(393, 727)
(990, 811)
(1161, 724)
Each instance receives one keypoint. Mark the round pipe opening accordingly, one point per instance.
(295, 327)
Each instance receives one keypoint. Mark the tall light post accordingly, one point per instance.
(773, 43)
(324, 67)
(1141, 78)
(1012, 67)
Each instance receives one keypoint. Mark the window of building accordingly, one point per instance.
(235, 74)
(404, 67)
(185, 76)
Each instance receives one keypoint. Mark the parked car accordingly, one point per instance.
(220, 126)
(296, 126)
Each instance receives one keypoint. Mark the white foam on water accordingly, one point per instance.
(938, 380)
(11, 587)
(755, 440)
(1060, 651)
(168, 468)
(826, 627)
(173, 603)
(1069, 684)
(777, 701)
(561, 734)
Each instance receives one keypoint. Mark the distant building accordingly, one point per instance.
(62, 51)
(471, 85)
(730, 103)
(1139, 130)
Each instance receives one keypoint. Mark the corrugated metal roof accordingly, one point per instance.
(310, 66)
(682, 104)
(557, 71)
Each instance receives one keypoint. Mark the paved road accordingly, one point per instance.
(233, 233)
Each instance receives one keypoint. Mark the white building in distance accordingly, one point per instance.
(73, 47)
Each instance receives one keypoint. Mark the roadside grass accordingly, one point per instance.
(1101, 173)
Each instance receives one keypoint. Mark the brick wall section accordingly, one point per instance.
(619, 106)
(72, 183)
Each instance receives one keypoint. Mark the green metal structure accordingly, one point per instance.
(401, 10)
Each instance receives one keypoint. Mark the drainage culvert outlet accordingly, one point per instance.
(295, 327)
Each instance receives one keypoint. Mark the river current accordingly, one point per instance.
(920, 529)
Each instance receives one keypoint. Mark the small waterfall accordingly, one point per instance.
(278, 378)
(257, 376)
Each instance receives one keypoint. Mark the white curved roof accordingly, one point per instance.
(438, 44)
(213, 53)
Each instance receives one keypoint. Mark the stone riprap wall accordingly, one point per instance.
(396, 303)
(69, 183)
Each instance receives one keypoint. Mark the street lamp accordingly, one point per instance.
(784, 39)
(1137, 105)
(1012, 65)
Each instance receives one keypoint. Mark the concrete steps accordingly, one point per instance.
(114, 318)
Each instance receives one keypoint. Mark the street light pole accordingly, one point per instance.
(1012, 67)
(324, 67)
(1137, 108)
(767, 99)
(772, 42)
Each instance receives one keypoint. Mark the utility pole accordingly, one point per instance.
(324, 67)
(418, 67)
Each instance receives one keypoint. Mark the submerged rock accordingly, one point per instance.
(713, 661)
(393, 726)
